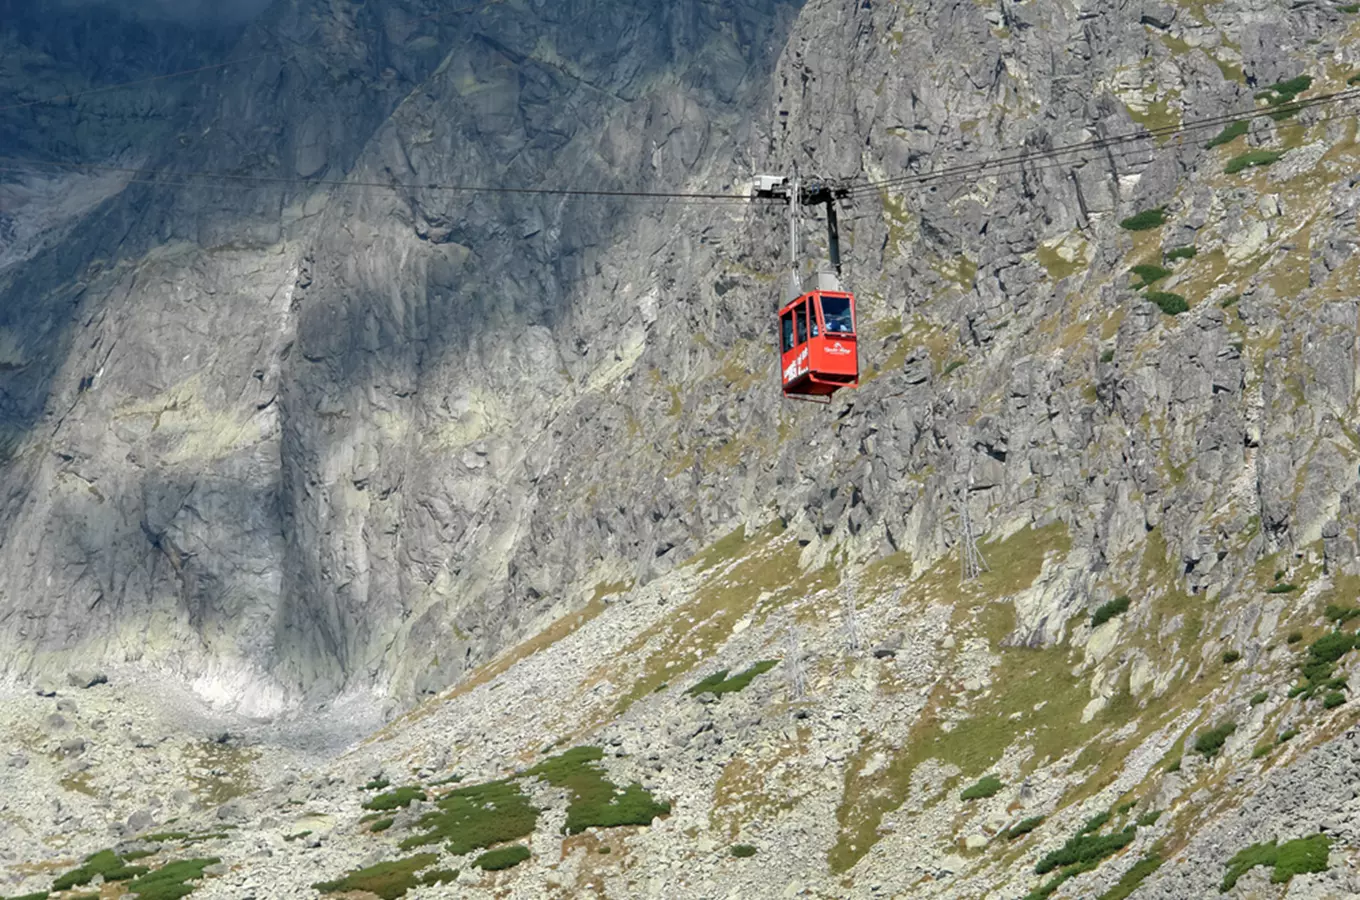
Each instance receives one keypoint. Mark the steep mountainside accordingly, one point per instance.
(322, 440)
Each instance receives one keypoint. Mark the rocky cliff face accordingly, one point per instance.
(300, 439)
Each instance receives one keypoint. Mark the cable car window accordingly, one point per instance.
(836, 312)
(786, 331)
(812, 319)
(801, 315)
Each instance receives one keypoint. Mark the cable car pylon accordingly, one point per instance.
(818, 344)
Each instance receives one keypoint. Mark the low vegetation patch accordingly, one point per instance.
(1095, 823)
(596, 801)
(1023, 827)
(1296, 857)
(1283, 589)
(1169, 303)
(1045, 890)
(1181, 253)
(743, 851)
(1107, 611)
(1134, 877)
(1287, 735)
(987, 786)
(1145, 220)
(388, 880)
(718, 683)
(502, 858)
(1251, 159)
(1259, 697)
(377, 784)
(1208, 743)
(1148, 819)
(1284, 93)
(1341, 614)
(439, 876)
(1231, 132)
(476, 817)
(1333, 700)
(398, 799)
(105, 863)
(1149, 274)
(170, 881)
(1320, 664)
(1086, 848)
(1230, 657)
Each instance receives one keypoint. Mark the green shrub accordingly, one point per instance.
(743, 850)
(1323, 655)
(1230, 657)
(718, 683)
(1282, 589)
(381, 825)
(398, 799)
(1134, 877)
(1175, 765)
(1252, 158)
(1045, 890)
(987, 786)
(606, 849)
(1294, 637)
(1182, 253)
(1023, 827)
(168, 882)
(1095, 823)
(1169, 303)
(1231, 132)
(1351, 8)
(439, 876)
(1145, 220)
(1107, 356)
(1208, 743)
(596, 801)
(43, 895)
(1333, 700)
(952, 366)
(377, 784)
(476, 817)
(1085, 848)
(388, 880)
(1230, 301)
(1341, 614)
(1148, 275)
(1107, 611)
(1296, 857)
(1123, 808)
(502, 858)
(1262, 749)
(1148, 819)
(1287, 736)
(106, 863)
(1259, 697)
(1283, 93)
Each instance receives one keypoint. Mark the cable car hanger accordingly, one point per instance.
(818, 347)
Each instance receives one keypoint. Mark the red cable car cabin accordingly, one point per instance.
(818, 351)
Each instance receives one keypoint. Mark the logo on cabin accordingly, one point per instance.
(838, 349)
(797, 367)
